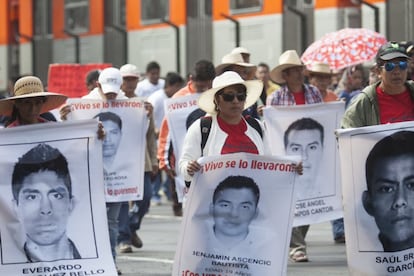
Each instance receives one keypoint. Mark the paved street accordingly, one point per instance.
(159, 233)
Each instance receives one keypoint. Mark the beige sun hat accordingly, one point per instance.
(129, 70)
(240, 50)
(232, 59)
(320, 68)
(253, 90)
(30, 87)
(288, 59)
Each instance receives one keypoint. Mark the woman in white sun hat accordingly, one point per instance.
(230, 131)
(29, 101)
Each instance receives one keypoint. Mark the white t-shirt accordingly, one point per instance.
(95, 95)
(157, 100)
(145, 88)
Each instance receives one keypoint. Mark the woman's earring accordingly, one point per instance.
(215, 105)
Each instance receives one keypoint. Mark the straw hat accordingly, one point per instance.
(253, 90)
(232, 59)
(319, 68)
(287, 60)
(30, 87)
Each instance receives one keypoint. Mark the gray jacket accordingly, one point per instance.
(364, 109)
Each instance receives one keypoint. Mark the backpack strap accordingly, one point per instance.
(205, 126)
(254, 124)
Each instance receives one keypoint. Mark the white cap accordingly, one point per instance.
(110, 80)
(129, 70)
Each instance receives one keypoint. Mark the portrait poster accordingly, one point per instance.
(238, 217)
(52, 203)
(125, 123)
(176, 111)
(309, 132)
(377, 165)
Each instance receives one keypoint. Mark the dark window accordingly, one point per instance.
(42, 17)
(154, 11)
(115, 13)
(77, 16)
(196, 10)
(245, 6)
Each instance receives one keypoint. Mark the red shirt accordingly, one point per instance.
(237, 140)
(395, 108)
(299, 97)
(17, 122)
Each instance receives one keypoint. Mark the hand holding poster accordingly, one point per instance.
(308, 131)
(52, 202)
(125, 123)
(238, 217)
(377, 166)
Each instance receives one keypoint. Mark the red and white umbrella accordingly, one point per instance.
(343, 48)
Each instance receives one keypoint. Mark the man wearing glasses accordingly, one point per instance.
(391, 99)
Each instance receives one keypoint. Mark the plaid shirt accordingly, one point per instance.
(283, 96)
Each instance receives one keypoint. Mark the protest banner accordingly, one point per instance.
(125, 123)
(52, 202)
(309, 131)
(176, 111)
(377, 165)
(70, 78)
(238, 217)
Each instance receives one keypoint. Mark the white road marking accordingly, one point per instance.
(145, 259)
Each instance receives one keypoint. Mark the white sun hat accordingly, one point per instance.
(253, 90)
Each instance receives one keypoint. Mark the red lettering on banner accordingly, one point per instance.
(79, 106)
(212, 166)
(175, 106)
(124, 191)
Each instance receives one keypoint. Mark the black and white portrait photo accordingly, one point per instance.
(42, 193)
(233, 207)
(389, 197)
(45, 198)
(125, 123)
(308, 131)
(304, 137)
(112, 124)
(52, 199)
(231, 218)
(377, 165)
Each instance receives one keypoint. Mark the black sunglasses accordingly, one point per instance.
(241, 97)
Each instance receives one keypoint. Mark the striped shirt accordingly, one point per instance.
(283, 96)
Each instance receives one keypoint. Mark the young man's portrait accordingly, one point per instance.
(305, 137)
(112, 124)
(43, 201)
(389, 197)
(233, 207)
